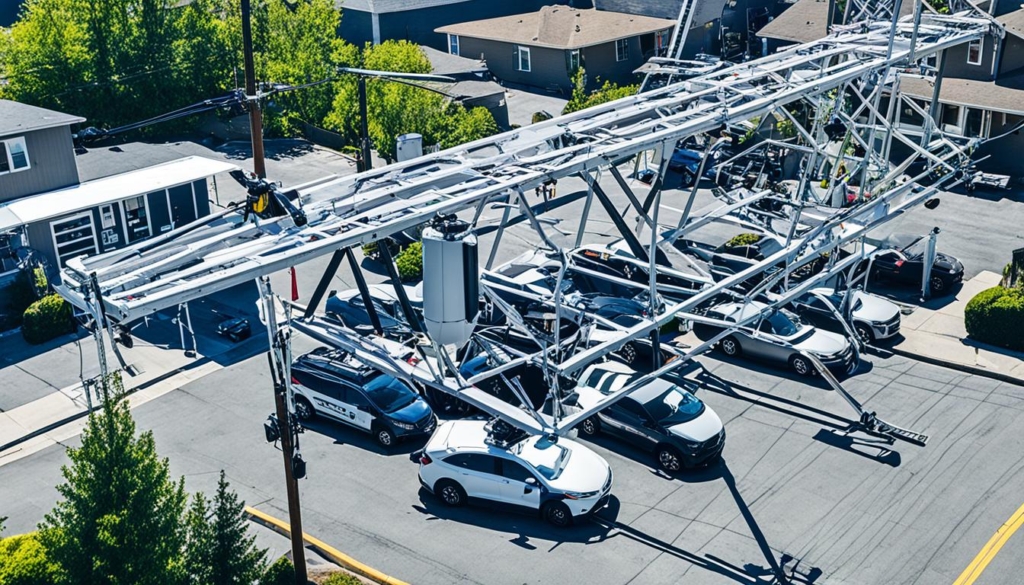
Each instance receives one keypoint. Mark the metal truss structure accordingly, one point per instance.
(847, 79)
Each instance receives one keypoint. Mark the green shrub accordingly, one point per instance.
(23, 561)
(342, 579)
(740, 240)
(410, 262)
(46, 319)
(996, 316)
(281, 572)
(370, 249)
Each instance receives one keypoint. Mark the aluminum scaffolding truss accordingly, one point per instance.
(844, 78)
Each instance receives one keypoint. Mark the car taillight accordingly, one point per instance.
(425, 459)
(413, 360)
(294, 381)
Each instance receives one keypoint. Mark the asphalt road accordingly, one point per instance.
(791, 492)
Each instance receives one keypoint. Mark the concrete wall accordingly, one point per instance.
(52, 158)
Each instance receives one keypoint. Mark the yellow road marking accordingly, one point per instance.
(977, 566)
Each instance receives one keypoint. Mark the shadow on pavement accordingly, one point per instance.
(647, 459)
(274, 149)
(345, 435)
(527, 526)
(870, 448)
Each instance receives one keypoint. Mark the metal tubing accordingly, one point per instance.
(325, 280)
(364, 291)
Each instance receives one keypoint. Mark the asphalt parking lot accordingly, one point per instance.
(791, 492)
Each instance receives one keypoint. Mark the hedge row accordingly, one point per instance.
(46, 319)
(996, 316)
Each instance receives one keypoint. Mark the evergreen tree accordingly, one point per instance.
(119, 522)
(236, 560)
(199, 542)
(220, 552)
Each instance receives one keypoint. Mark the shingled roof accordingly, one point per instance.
(16, 117)
(560, 27)
(1014, 22)
(1004, 95)
(803, 22)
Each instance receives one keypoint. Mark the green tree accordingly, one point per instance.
(397, 108)
(301, 46)
(282, 572)
(608, 92)
(23, 561)
(219, 549)
(120, 519)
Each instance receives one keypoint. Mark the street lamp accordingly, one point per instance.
(363, 75)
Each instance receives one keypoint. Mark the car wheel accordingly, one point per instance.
(864, 332)
(938, 285)
(730, 346)
(801, 365)
(628, 353)
(591, 426)
(450, 493)
(303, 409)
(687, 179)
(557, 514)
(669, 459)
(384, 436)
(233, 337)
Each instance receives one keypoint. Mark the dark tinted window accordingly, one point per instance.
(514, 471)
(473, 462)
(306, 379)
(356, 399)
(389, 394)
(629, 405)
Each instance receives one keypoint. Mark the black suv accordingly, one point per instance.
(332, 383)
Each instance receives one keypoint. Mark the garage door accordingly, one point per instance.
(73, 236)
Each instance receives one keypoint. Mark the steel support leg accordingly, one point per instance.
(325, 281)
(634, 244)
(364, 291)
(403, 299)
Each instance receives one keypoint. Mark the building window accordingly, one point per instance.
(524, 59)
(974, 52)
(13, 155)
(453, 44)
(107, 216)
(622, 49)
(574, 60)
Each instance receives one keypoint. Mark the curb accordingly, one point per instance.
(323, 548)
(977, 371)
(72, 418)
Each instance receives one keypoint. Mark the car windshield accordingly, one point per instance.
(782, 325)
(768, 246)
(674, 407)
(388, 394)
(916, 249)
(549, 459)
(607, 382)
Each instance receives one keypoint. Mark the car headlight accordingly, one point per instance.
(580, 495)
(952, 270)
(402, 425)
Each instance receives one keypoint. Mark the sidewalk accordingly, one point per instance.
(157, 362)
(935, 333)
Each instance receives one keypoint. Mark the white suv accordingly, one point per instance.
(492, 463)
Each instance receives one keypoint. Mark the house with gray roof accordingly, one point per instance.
(725, 28)
(543, 49)
(981, 93)
(36, 150)
(375, 21)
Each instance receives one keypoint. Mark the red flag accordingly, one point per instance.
(295, 285)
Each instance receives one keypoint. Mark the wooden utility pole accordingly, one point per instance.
(277, 336)
(255, 115)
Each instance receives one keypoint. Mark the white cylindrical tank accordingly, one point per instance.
(451, 282)
(409, 146)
